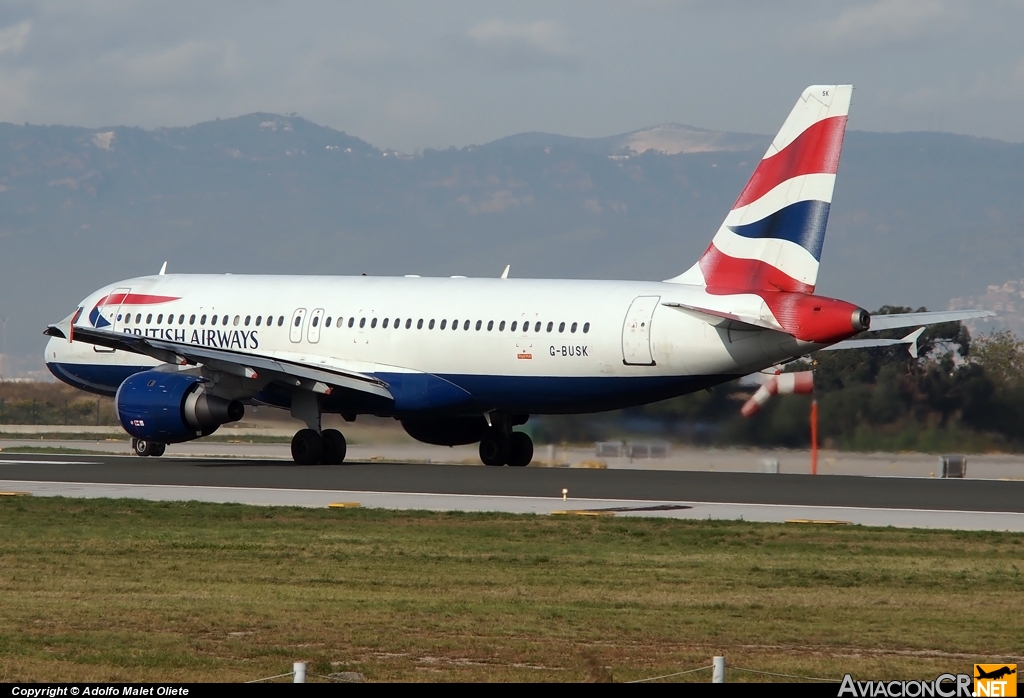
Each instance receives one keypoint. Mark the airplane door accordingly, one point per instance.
(636, 331)
(298, 317)
(315, 320)
(111, 312)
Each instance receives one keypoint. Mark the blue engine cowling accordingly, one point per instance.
(171, 407)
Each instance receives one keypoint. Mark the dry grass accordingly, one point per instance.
(123, 590)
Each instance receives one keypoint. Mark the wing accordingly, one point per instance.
(288, 372)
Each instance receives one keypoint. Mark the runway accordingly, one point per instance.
(916, 502)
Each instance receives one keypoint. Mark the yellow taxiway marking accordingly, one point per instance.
(15, 494)
(344, 505)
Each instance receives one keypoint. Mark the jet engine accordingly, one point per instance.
(171, 407)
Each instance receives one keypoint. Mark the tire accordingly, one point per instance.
(335, 447)
(520, 450)
(307, 446)
(158, 450)
(142, 447)
(493, 448)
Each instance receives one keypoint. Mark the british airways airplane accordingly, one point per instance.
(461, 360)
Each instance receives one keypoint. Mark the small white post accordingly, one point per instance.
(299, 669)
(718, 670)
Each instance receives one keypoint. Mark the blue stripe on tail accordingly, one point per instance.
(803, 223)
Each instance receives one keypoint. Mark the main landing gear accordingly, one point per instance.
(313, 445)
(328, 447)
(142, 447)
(501, 447)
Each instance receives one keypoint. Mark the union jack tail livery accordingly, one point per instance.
(772, 238)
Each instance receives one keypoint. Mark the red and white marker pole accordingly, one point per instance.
(801, 383)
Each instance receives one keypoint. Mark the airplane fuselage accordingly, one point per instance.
(525, 346)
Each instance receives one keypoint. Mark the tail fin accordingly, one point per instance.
(771, 240)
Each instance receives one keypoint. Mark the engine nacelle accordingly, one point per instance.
(445, 431)
(171, 407)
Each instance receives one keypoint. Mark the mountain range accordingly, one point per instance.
(917, 218)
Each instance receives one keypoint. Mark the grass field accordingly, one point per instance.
(142, 591)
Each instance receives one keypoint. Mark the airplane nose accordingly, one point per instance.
(861, 320)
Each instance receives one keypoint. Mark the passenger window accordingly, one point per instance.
(408, 323)
(430, 325)
(398, 323)
(455, 324)
(202, 320)
(479, 324)
(316, 321)
(351, 321)
(159, 318)
(444, 323)
(465, 325)
(224, 321)
(572, 328)
(586, 327)
(550, 325)
(536, 327)
(501, 326)
(419, 324)
(362, 322)
(385, 325)
(149, 318)
(513, 327)
(127, 319)
(490, 325)
(213, 319)
(561, 327)
(247, 319)
(235, 321)
(192, 320)
(119, 316)
(259, 320)
(280, 320)
(298, 320)
(170, 319)
(138, 318)
(373, 323)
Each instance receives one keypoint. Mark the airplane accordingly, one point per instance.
(465, 360)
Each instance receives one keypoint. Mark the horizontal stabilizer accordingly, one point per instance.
(892, 322)
(910, 339)
(718, 317)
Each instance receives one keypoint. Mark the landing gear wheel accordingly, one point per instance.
(493, 448)
(158, 450)
(144, 448)
(307, 446)
(520, 450)
(334, 447)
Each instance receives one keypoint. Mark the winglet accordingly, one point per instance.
(163, 269)
(504, 274)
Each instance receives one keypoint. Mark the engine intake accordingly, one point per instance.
(171, 407)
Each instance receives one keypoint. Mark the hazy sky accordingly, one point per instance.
(411, 75)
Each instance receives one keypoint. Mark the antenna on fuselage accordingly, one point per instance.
(163, 269)
(504, 274)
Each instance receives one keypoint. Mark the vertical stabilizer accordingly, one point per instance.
(772, 238)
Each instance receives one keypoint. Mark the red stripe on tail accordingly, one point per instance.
(735, 274)
(815, 151)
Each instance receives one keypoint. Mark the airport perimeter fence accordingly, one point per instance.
(300, 673)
